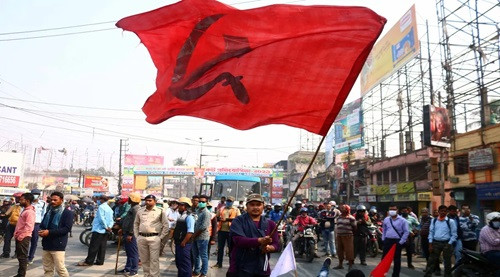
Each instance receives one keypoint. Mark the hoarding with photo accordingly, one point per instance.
(11, 169)
(437, 126)
(349, 127)
(398, 46)
(96, 183)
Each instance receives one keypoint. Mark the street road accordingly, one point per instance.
(76, 252)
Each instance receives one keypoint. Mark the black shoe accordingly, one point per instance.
(363, 263)
(411, 266)
(5, 255)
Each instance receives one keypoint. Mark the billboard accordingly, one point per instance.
(96, 183)
(437, 126)
(133, 160)
(11, 169)
(349, 127)
(397, 47)
(481, 159)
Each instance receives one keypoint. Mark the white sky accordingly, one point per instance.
(111, 69)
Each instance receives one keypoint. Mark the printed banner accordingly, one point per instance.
(391, 52)
(96, 183)
(349, 127)
(134, 160)
(11, 169)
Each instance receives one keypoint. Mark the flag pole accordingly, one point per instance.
(295, 271)
(297, 188)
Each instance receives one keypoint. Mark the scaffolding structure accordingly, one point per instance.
(459, 69)
(470, 52)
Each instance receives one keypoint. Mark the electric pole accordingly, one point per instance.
(123, 150)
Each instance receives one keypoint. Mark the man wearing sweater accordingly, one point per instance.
(54, 230)
(22, 234)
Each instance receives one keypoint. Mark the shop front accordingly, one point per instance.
(488, 196)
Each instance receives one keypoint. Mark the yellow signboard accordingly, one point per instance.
(141, 182)
(406, 187)
(405, 197)
(396, 48)
(382, 189)
(424, 196)
(373, 190)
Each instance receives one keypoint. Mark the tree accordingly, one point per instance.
(179, 161)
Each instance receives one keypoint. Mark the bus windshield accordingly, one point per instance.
(237, 186)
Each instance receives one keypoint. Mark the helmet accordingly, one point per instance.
(492, 216)
(373, 210)
(36, 191)
(321, 207)
(277, 205)
(360, 208)
(333, 203)
(185, 200)
(303, 210)
(298, 203)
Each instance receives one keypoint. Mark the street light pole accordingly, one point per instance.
(201, 142)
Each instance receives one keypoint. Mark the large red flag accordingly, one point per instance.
(279, 64)
(384, 266)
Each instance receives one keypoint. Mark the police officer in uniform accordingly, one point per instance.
(150, 227)
(184, 229)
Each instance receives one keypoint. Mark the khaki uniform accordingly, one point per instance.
(150, 227)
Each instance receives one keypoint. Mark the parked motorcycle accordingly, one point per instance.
(372, 245)
(474, 264)
(88, 217)
(306, 243)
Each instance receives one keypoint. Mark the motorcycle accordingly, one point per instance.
(88, 217)
(282, 234)
(306, 243)
(474, 264)
(372, 245)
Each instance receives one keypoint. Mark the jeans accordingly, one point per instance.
(329, 241)
(34, 242)
(183, 260)
(222, 238)
(132, 252)
(200, 248)
(388, 243)
(457, 252)
(22, 255)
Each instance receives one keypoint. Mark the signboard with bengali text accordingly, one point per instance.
(481, 159)
(147, 160)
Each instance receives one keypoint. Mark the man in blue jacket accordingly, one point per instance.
(54, 230)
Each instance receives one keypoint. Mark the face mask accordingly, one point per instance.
(393, 213)
(496, 224)
(404, 214)
(36, 196)
(229, 204)
(202, 205)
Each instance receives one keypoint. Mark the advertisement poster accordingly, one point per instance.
(154, 183)
(96, 183)
(277, 189)
(437, 126)
(134, 160)
(349, 127)
(399, 45)
(11, 169)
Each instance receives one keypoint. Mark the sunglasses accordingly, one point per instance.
(202, 201)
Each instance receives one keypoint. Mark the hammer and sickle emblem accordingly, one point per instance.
(234, 47)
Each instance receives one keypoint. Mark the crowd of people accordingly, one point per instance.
(245, 232)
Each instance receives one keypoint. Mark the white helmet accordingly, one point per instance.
(333, 203)
(492, 216)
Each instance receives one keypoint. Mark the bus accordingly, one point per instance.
(237, 186)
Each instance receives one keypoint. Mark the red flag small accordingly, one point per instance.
(384, 266)
(279, 64)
